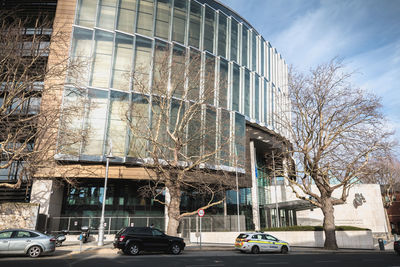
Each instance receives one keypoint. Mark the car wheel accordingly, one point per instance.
(255, 250)
(284, 250)
(175, 249)
(34, 251)
(133, 249)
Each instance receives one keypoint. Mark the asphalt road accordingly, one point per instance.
(210, 259)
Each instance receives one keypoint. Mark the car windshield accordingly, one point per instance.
(120, 231)
(242, 236)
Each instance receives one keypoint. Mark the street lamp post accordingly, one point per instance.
(100, 241)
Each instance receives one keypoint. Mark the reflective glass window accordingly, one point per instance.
(240, 138)
(71, 123)
(117, 130)
(95, 121)
(234, 39)
(210, 132)
(246, 92)
(102, 59)
(145, 17)
(257, 97)
(209, 79)
(222, 29)
(122, 62)
(178, 70)
(209, 24)
(235, 87)
(244, 45)
(139, 124)
(266, 104)
(224, 138)
(179, 22)
(262, 57)
(142, 64)
(194, 24)
(161, 68)
(194, 136)
(162, 18)
(86, 13)
(223, 83)
(160, 140)
(253, 51)
(106, 17)
(126, 15)
(194, 75)
(81, 54)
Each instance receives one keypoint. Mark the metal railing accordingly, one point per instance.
(214, 223)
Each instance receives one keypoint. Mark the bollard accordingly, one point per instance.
(381, 244)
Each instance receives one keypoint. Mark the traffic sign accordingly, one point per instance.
(201, 212)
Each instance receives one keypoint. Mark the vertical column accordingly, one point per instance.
(254, 191)
(167, 200)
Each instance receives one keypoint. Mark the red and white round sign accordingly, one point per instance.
(201, 212)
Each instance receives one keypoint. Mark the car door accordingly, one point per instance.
(160, 240)
(19, 241)
(5, 237)
(272, 243)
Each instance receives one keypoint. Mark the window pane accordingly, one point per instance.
(262, 56)
(222, 35)
(225, 137)
(223, 83)
(86, 13)
(161, 68)
(235, 87)
(194, 24)
(117, 123)
(81, 55)
(71, 122)
(209, 30)
(194, 75)
(266, 104)
(106, 18)
(179, 24)
(210, 133)
(209, 80)
(244, 45)
(257, 97)
(139, 126)
(195, 135)
(142, 64)
(240, 134)
(95, 122)
(246, 91)
(102, 59)
(126, 15)
(162, 18)
(145, 18)
(234, 39)
(254, 51)
(178, 71)
(122, 62)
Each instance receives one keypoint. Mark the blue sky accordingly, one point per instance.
(365, 33)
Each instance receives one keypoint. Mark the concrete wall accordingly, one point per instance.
(345, 239)
(370, 214)
(18, 215)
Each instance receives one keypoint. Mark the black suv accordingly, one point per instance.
(132, 240)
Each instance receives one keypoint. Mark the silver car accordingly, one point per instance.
(260, 242)
(29, 242)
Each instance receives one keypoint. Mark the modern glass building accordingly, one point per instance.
(119, 39)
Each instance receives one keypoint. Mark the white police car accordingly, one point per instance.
(260, 242)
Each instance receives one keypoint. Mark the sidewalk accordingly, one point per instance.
(92, 248)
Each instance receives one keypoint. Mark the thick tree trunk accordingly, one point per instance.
(174, 210)
(329, 224)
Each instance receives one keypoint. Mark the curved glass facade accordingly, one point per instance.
(118, 36)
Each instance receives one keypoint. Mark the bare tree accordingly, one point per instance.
(334, 129)
(28, 129)
(385, 171)
(181, 146)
